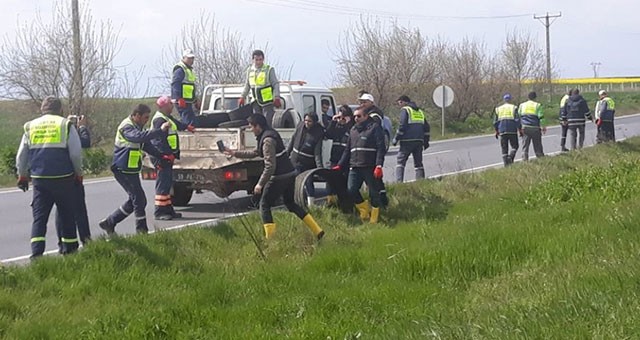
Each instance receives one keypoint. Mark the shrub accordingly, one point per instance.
(95, 161)
(8, 161)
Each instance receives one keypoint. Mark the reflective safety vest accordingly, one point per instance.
(414, 131)
(531, 114)
(172, 137)
(506, 119)
(188, 82)
(129, 161)
(260, 87)
(48, 147)
(608, 114)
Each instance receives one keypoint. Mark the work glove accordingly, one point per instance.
(276, 102)
(181, 103)
(191, 128)
(377, 172)
(394, 142)
(241, 101)
(169, 158)
(598, 122)
(497, 134)
(23, 183)
(336, 168)
(79, 179)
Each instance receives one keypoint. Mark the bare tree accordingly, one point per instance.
(522, 59)
(37, 60)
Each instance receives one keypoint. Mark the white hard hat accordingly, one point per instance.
(367, 96)
(188, 53)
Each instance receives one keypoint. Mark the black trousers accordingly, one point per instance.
(563, 137)
(80, 216)
(532, 135)
(505, 141)
(606, 133)
(136, 203)
(272, 191)
(46, 193)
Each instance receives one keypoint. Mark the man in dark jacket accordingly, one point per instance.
(364, 155)
(575, 114)
(305, 149)
(278, 176)
(413, 134)
(338, 131)
(131, 139)
(367, 103)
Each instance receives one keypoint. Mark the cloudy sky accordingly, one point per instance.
(304, 33)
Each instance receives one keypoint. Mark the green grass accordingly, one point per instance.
(501, 254)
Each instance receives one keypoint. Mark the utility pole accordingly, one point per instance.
(547, 24)
(77, 88)
(595, 66)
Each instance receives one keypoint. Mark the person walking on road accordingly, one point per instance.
(338, 131)
(605, 113)
(364, 156)
(278, 176)
(171, 145)
(131, 139)
(506, 122)
(183, 88)
(264, 86)
(305, 150)
(533, 124)
(50, 153)
(413, 135)
(575, 113)
(564, 125)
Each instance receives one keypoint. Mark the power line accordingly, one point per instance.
(356, 11)
(547, 24)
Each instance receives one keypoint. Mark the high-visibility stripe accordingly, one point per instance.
(163, 203)
(339, 144)
(364, 149)
(124, 211)
(302, 153)
(138, 218)
(38, 239)
(69, 240)
(282, 153)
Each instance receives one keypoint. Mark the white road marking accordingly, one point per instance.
(436, 153)
(96, 181)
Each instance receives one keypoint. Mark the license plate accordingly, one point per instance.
(188, 177)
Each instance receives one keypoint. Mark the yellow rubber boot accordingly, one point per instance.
(332, 200)
(363, 209)
(269, 230)
(375, 212)
(313, 226)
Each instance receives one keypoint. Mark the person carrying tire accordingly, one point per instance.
(278, 176)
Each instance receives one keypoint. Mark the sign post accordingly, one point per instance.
(443, 97)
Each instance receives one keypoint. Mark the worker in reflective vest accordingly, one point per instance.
(278, 176)
(605, 112)
(50, 153)
(131, 139)
(264, 86)
(413, 134)
(533, 126)
(364, 156)
(507, 125)
(564, 124)
(183, 88)
(170, 145)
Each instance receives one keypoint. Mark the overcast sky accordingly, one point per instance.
(303, 33)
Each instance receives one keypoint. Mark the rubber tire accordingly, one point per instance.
(211, 120)
(283, 119)
(241, 113)
(181, 195)
(334, 179)
(233, 124)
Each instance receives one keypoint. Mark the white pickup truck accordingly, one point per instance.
(202, 166)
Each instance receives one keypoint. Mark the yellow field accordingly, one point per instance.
(587, 81)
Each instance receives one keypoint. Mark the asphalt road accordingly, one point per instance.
(446, 157)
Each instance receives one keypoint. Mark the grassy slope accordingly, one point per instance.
(501, 254)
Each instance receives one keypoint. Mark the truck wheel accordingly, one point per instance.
(181, 195)
(334, 179)
(233, 124)
(283, 119)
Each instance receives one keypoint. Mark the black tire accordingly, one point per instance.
(211, 120)
(233, 124)
(334, 179)
(241, 113)
(283, 119)
(181, 195)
